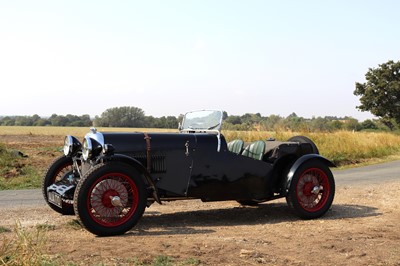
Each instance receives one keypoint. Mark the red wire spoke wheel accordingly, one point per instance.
(113, 199)
(312, 190)
(110, 198)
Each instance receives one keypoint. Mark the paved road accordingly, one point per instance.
(373, 174)
(24, 197)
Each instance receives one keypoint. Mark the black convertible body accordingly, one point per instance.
(109, 179)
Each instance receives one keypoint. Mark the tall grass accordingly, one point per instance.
(345, 147)
(75, 131)
(342, 147)
(26, 248)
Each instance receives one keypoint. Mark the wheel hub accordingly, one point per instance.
(308, 189)
(109, 197)
(317, 189)
(116, 201)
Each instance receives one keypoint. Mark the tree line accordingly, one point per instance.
(379, 94)
(296, 123)
(54, 120)
(113, 117)
(135, 118)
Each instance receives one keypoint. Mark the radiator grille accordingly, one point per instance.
(158, 164)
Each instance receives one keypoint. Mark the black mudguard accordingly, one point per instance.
(138, 166)
(298, 163)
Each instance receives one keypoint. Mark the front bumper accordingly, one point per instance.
(59, 192)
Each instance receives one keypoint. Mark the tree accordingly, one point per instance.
(233, 119)
(380, 94)
(319, 124)
(369, 124)
(42, 122)
(171, 122)
(336, 124)
(121, 117)
(294, 122)
(269, 122)
(352, 124)
(224, 115)
(8, 121)
(58, 120)
(23, 121)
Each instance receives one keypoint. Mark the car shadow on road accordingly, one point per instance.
(348, 211)
(188, 222)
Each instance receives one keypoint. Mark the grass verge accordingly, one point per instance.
(15, 173)
(344, 148)
(27, 246)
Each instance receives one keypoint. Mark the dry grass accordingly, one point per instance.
(26, 248)
(342, 147)
(346, 147)
(75, 131)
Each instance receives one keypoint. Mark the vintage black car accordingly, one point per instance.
(110, 178)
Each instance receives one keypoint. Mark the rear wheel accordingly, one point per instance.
(60, 169)
(312, 190)
(110, 199)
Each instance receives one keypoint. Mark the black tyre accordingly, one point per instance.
(110, 199)
(312, 190)
(303, 139)
(59, 169)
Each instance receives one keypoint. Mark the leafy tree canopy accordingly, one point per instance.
(380, 94)
(125, 116)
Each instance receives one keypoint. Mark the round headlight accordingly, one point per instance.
(87, 148)
(90, 148)
(71, 146)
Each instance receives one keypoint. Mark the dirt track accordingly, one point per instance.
(361, 228)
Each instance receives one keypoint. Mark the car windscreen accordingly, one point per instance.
(202, 120)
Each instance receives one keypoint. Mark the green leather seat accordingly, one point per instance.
(255, 150)
(236, 146)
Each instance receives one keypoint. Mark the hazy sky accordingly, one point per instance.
(169, 57)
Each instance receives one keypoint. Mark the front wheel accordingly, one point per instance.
(110, 199)
(61, 168)
(312, 190)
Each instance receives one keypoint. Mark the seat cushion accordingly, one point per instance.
(236, 146)
(255, 150)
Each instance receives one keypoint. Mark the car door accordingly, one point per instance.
(223, 175)
(178, 159)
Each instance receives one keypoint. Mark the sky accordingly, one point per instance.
(170, 57)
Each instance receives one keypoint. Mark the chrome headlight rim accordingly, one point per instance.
(71, 146)
(90, 148)
(87, 148)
